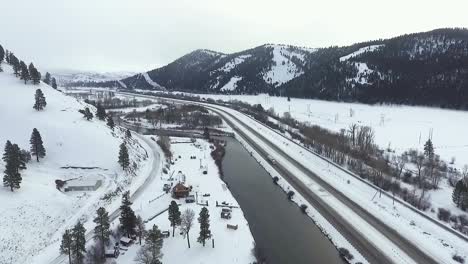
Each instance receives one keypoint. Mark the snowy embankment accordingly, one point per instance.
(431, 238)
(231, 246)
(34, 216)
(397, 127)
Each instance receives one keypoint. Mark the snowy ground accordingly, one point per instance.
(230, 246)
(34, 216)
(400, 127)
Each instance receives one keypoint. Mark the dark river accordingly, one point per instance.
(285, 235)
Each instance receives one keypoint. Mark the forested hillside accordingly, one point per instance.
(429, 68)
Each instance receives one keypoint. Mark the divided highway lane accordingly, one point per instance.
(367, 248)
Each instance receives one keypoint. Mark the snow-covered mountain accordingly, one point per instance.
(35, 215)
(259, 69)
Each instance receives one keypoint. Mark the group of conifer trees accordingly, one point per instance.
(15, 159)
(23, 71)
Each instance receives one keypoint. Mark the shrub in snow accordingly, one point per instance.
(304, 208)
(275, 180)
(458, 258)
(344, 253)
(290, 195)
(444, 214)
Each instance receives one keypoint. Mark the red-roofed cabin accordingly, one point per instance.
(180, 191)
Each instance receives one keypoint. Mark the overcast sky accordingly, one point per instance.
(137, 35)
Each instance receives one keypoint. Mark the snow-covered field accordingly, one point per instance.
(34, 216)
(397, 127)
(231, 246)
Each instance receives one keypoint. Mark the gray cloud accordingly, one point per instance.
(136, 35)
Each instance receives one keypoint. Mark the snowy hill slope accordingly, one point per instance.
(34, 215)
(259, 69)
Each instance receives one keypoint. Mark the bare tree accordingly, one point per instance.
(352, 132)
(464, 174)
(419, 161)
(140, 228)
(400, 163)
(186, 223)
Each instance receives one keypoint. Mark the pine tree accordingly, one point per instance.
(154, 243)
(174, 216)
(11, 157)
(101, 112)
(47, 79)
(54, 83)
(25, 76)
(37, 147)
(204, 220)
(102, 228)
(16, 64)
(124, 159)
(429, 149)
(86, 113)
(66, 245)
(2, 54)
(34, 74)
(19, 157)
(128, 134)
(110, 122)
(40, 101)
(457, 193)
(79, 243)
(127, 216)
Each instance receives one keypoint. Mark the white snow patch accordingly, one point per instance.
(283, 69)
(150, 81)
(232, 84)
(360, 51)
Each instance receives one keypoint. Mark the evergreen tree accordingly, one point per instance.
(154, 243)
(54, 83)
(37, 147)
(11, 157)
(66, 245)
(101, 112)
(40, 101)
(124, 159)
(79, 243)
(457, 193)
(34, 74)
(86, 113)
(102, 228)
(429, 149)
(25, 75)
(7, 56)
(19, 157)
(128, 134)
(174, 216)
(127, 216)
(110, 122)
(2, 54)
(204, 220)
(16, 64)
(47, 78)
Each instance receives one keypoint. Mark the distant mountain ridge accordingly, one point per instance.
(428, 68)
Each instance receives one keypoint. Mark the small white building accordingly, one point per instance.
(82, 185)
